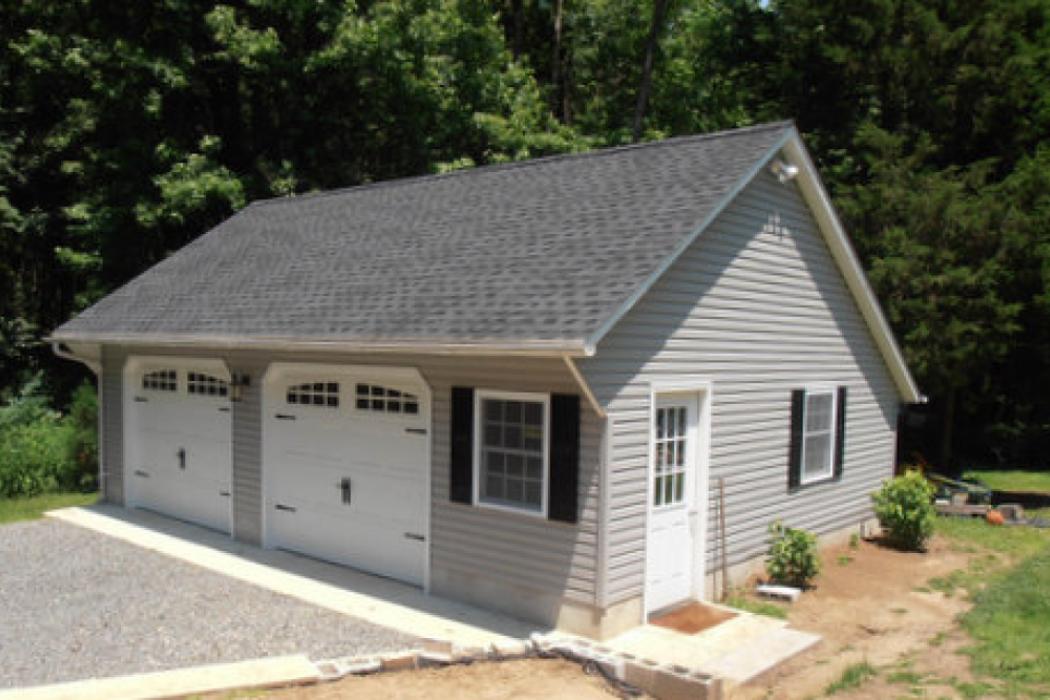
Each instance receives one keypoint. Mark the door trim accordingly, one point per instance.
(703, 389)
(276, 370)
(133, 365)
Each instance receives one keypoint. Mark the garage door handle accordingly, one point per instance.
(224, 493)
(139, 472)
(414, 536)
(224, 409)
(141, 399)
(284, 416)
(281, 506)
(417, 431)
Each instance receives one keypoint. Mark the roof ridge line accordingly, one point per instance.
(528, 162)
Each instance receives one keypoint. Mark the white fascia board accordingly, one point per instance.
(542, 348)
(819, 202)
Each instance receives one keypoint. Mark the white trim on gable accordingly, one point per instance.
(819, 202)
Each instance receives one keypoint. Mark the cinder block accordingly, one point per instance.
(468, 654)
(511, 649)
(1011, 512)
(399, 661)
(437, 646)
(639, 673)
(611, 665)
(669, 684)
(434, 658)
(361, 667)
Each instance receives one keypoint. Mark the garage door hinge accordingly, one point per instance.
(224, 409)
(281, 506)
(414, 536)
(284, 416)
(417, 431)
(224, 493)
(139, 472)
(141, 399)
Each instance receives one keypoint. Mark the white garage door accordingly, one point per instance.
(345, 466)
(178, 428)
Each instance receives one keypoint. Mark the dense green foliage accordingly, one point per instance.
(43, 451)
(792, 558)
(904, 507)
(128, 129)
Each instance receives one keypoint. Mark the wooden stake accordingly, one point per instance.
(722, 532)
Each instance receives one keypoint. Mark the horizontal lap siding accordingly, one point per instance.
(758, 307)
(553, 558)
(112, 440)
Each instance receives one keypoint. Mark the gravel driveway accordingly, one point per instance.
(76, 604)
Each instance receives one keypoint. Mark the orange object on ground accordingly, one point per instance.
(994, 517)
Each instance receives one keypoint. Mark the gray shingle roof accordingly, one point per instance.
(542, 250)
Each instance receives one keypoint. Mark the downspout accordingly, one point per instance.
(601, 541)
(62, 350)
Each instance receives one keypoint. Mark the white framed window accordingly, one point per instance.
(819, 418)
(511, 446)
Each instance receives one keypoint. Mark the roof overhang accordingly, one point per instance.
(819, 202)
(535, 348)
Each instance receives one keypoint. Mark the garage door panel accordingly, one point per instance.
(316, 436)
(181, 443)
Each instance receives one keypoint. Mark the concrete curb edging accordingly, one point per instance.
(663, 681)
(272, 672)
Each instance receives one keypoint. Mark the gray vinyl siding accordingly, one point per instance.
(111, 388)
(758, 307)
(549, 557)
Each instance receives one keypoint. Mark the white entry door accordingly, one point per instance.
(670, 559)
(178, 430)
(346, 455)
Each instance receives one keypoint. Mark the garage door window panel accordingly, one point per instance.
(376, 398)
(321, 394)
(511, 451)
(200, 384)
(160, 380)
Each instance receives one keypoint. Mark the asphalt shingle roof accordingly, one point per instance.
(536, 250)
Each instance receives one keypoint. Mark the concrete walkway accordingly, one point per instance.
(375, 599)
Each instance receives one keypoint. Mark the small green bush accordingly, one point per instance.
(43, 451)
(792, 558)
(904, 507)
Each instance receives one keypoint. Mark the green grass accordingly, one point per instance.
(1010, 623)
(742, 602)
(1013, 480)
(33, 507)
(1013, 541)
(854, 676)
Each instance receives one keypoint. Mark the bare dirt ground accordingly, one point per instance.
(526, 679)
(866, 607)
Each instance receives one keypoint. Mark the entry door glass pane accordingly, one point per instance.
(670, 442)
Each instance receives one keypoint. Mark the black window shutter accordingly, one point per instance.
(564, 457)
(798, 409)
(461, 473)
(840, 432)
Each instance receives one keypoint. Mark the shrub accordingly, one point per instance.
(905, 510)
(83, 424)
(792, 558)
(41, 450)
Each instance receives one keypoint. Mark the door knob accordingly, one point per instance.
(347, 488)
(181, 454)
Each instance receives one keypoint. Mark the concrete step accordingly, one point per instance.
(750, 660)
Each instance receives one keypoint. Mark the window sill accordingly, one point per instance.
(816, 482)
